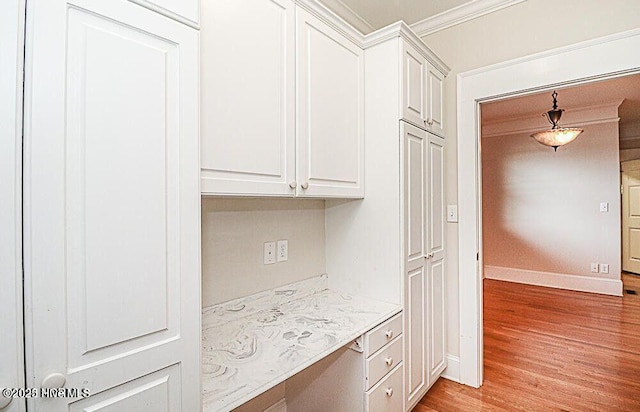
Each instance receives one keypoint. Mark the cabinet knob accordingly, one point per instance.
(305, 185)
(389, 334)
(389, 361)
(293, 184)
(53, 381)
(389, 392)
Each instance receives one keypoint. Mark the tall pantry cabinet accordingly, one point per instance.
(112, 204)
(391, 246)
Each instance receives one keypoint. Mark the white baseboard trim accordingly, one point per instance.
(452, 372)
(280, 406)
(555, 280)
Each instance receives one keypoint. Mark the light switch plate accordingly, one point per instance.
(604, 206)
(452, 213)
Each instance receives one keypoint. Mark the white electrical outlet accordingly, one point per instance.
(595, 268)
(283, 250)
(269, 253)
(604, 207)
(604, 268)
(452, 213)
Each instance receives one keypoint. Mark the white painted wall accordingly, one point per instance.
(516, 31)
(541, 209)
(233, 234)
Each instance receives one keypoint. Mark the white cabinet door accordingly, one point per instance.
(184, 11)
(248, 97)
(435, 105)
(415, 305)
(330, 111)
(435, 258)
(425, 348)
(414, 88)
(112, 206)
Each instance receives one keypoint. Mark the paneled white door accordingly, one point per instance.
(248, 97)
(330, 111)
(435, 258)
(112, 207)
(631, 216)
(416, 295)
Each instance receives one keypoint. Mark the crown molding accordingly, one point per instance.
(576, 117)
(464, 12)
(350, 16)
(401, 29)
(395, 30)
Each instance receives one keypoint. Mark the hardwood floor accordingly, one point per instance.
(549, 349)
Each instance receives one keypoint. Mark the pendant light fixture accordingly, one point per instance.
(556, 136)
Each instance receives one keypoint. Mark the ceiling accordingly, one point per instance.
(380, 13)
(627, 88)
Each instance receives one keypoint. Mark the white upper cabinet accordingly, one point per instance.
(435, 92)
(248, 97)
(414, 77)
(184, 11)
(330, 101)
(282, 103)
(422, 91)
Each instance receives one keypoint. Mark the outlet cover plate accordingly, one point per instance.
(282, 250)
(269, 253)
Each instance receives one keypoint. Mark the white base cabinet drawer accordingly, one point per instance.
(383, 362)
(387, 395)
(382, 334)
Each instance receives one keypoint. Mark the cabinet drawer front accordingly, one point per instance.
(383, 362)
(382, 334)
(387, 395)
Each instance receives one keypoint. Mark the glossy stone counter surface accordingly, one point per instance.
(254, 343)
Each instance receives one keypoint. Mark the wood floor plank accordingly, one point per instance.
(552, 350)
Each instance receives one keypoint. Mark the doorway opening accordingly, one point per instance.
(599, 59)
(553, 218)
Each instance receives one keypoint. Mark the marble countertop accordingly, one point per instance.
(250, 345)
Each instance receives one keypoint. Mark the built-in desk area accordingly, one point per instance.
(252, 344)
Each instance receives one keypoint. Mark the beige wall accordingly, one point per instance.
(517, 31)
(541, 209)
(233, 234)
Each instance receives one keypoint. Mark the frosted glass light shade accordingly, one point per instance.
(557, 137)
